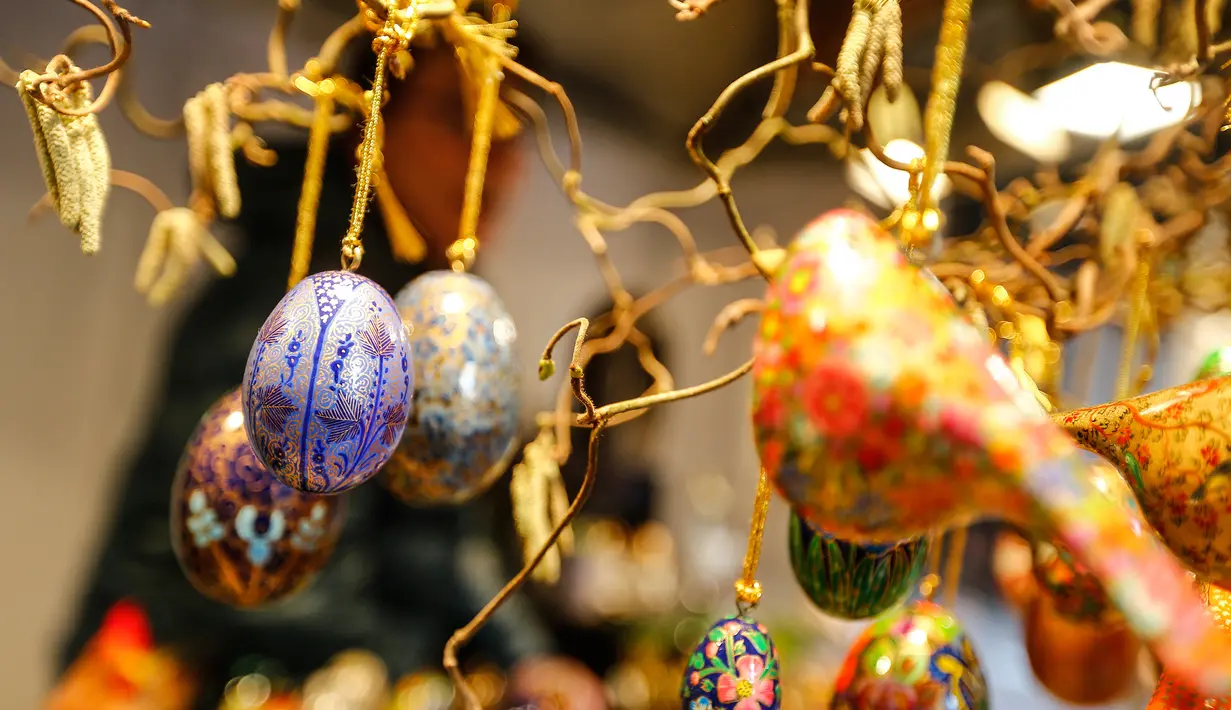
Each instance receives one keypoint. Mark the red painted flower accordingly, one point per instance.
(836, 400)
(748, 690)
(770, 411)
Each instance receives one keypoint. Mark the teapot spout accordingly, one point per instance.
(1110, 536)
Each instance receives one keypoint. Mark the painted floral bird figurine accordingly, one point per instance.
(881, 413)
(1174, 448)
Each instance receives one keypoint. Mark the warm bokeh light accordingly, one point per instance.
(1022, 122)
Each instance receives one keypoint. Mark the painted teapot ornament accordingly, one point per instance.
(881, 413)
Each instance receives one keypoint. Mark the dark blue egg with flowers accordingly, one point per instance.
(735, 667)
(328, 386)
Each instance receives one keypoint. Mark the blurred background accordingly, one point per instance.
(83, 351)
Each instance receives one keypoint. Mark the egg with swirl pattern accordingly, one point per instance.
(463, 432)
(328, 386)
(241, 537)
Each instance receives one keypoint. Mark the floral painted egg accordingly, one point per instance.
(849, 580)
(463, 431)
(328, 386)
(241, 537)
(916, 657)
(735, 667)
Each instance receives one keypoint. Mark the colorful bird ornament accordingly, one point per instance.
(881, 413)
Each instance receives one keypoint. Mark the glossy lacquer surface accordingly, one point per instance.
(881, 413)
(1174, 448)
(328, 385)
(241, 537)
(734, 667)
(463, 431)
(849, 580)
(915, 658)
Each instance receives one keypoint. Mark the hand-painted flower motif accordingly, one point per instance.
(203, 522)
(976, 445)
(735, 667)
(230, 518)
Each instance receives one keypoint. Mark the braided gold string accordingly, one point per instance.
(386, 43)
(942, 103)
(747, 588)
(462, 252)
(314, 173)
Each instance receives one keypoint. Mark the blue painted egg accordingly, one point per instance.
(328, 386)
(735, 667)
(241, 537)
(463, 432)
(849, 580)
(916, 657)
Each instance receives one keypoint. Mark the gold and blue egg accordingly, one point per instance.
(241, 537)
(463, 431)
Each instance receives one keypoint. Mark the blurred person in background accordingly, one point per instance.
(401, 579)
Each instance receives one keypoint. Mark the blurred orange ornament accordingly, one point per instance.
(1080, 662)
(120, 669)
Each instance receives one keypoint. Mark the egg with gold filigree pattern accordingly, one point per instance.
(916, 657)
(849, 580)
(734, 667)
(328, 385)
(463, 431)
(241, 537)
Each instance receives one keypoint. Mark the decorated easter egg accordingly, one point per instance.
(463, 431)
(917, 657)
(735, 666)
(328, 386)
(242, 537)
(849, 580)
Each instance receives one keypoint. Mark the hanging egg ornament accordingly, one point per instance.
(328, 385)
(463, 431)
(734, 667)
(241, 537)
(916, 657)
(881, 413)
(849, 580)
(1084, 662)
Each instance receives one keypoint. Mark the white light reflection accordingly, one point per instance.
(1116, 99)
(1022, 122)
(884, 186)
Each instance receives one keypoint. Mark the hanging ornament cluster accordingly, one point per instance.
(881, 413)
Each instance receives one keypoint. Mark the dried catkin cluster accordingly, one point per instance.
(539, 503)
(72, 151)
(211, 155)
(873, 46)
